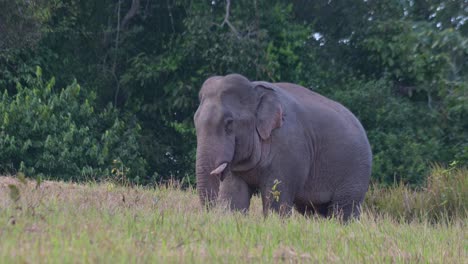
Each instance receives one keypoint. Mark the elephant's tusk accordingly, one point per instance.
(219, 169)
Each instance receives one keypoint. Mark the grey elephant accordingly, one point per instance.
(298, 149)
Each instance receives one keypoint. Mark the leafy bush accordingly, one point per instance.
(444, 198)
(58, 134)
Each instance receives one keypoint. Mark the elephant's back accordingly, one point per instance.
(310, 98)
(320, 110)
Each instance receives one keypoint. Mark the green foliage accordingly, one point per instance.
(60, 134)
(400, 65)
(21, 23)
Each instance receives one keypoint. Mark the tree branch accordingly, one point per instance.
(226, 19)
(131, 13)
(169, 8)
(114, 65)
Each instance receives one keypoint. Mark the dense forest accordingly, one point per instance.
(97, 89)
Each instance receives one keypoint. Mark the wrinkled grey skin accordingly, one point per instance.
(250, 134)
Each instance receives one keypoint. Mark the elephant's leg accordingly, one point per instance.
(345, 209)
(311, 209)
(304, 209)
(235, 192)
(322, 209)
(276, 199)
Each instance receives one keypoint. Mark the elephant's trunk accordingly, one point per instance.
(207, 184)
(213, 164)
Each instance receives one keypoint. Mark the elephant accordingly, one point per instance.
(295, 147)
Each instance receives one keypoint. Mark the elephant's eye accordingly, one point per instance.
(228, 126)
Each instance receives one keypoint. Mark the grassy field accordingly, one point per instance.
(60, 222)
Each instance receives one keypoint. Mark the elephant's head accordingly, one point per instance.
(233, 118)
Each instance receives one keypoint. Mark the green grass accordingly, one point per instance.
(104, 223)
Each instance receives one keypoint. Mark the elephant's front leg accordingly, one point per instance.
(277, 197)
(235, 193)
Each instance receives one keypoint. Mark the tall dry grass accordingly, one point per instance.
(444, 198)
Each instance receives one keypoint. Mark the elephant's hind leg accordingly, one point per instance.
(310, 209)
(322, 209)
(345, 210)
(304, 209)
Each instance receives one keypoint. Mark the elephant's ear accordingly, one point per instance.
(269, 110)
